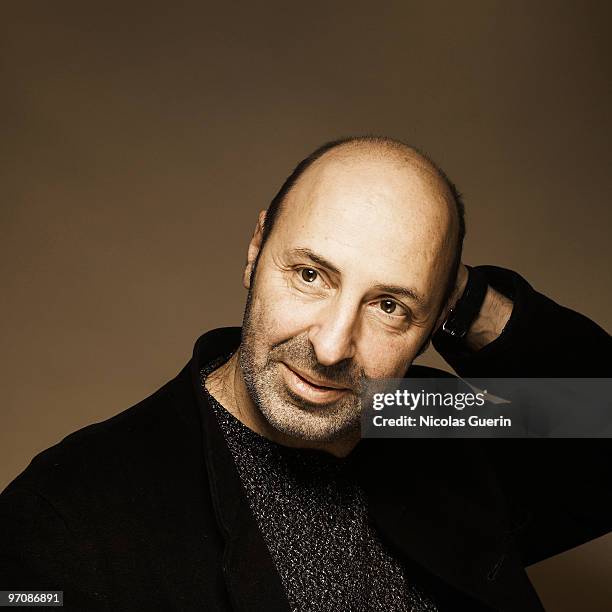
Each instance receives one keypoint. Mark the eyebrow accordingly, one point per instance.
(405, 292)
(321, 261)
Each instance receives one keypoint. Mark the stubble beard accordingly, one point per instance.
(285, 412)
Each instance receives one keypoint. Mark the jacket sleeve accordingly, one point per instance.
(542, 339)
(559, 491)
(38, 552)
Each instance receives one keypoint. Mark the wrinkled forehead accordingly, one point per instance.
(388, 219)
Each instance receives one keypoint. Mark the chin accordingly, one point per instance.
(304, 424)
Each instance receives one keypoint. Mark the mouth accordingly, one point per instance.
(312, 389)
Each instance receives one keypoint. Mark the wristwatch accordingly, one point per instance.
(466, 309)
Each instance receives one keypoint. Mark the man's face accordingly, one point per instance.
(347, 289)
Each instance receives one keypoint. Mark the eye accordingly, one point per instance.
(309, 275)
(394, 311)
(388, 306)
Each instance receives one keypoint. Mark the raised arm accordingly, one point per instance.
(540, 338)
(558, 489)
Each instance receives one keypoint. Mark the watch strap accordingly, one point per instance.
(466, 309)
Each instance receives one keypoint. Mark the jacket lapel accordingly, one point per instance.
(438, 507)
(252, 580)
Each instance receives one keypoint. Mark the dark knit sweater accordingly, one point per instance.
(314, 520)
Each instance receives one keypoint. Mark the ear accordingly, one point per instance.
(253, 250)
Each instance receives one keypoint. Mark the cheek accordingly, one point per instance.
(387, 356)
(278, 313)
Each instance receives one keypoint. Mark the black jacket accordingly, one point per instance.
(145, 511)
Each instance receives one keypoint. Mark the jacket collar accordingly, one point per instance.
(429, 520)
(252, 580)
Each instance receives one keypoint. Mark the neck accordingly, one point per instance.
(226, 384)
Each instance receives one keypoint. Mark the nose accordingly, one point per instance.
(333, 334)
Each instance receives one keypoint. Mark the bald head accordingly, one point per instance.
(399, 179)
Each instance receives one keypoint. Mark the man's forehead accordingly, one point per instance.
(369, 205)
(394, 187)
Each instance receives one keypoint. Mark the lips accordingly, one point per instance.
(316, 382)
(310, 389)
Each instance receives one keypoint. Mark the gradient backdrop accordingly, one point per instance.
(140, 140)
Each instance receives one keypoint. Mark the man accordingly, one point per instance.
(243, 484)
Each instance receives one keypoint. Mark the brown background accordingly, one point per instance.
(139, 142)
